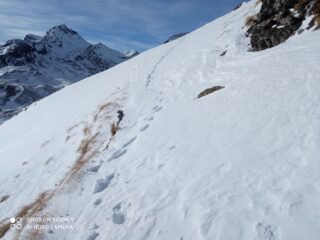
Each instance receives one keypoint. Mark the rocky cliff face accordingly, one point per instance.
(278, 20)
(35, 67)
(16, 52)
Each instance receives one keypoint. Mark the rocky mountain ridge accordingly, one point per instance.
(35, 67)
(280, 19)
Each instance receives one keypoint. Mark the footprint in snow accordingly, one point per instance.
(93, 236)
(156, 109)
(266, 232)
(129, 142)
(50, 159)
(172, 147)
(213, 221)
(4, 198)
(102, 184)
(223, 168)
(160, 166)
(94, 226)
(94, 169)
(118, 216)
(117, 154)
(292, 202)
(144, 128)
(44, 144)
(97, 202)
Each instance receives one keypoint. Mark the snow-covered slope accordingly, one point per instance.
(131, 53)
(175, 37)
(240, 163)
(35, 67)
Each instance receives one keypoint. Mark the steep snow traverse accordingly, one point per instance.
(214, 135)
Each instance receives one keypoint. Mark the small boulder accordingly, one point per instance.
(209, 91)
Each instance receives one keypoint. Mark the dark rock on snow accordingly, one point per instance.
(174, 37)
(277, 21)
(209, 91)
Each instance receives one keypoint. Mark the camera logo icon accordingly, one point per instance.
(16, 223)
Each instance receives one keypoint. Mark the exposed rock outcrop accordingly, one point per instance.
(209, 91)
(277, 21)
(16, 52)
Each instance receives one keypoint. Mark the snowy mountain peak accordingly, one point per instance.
(61, 28)
(38, 66)
(62, 40)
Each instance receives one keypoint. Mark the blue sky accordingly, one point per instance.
(120, 24)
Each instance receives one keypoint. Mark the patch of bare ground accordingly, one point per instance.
(4, 227)
(87, 149)
(316, 8)
(316, 11)
(317, 22)
(29, 210)
(102, 112)
(249, 20)
(89, 145)
(113, 129)
(300, 5)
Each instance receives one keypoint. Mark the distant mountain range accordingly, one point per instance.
(35, 67)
